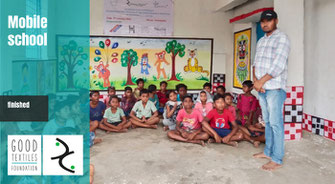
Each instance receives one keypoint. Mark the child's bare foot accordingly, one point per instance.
(271, 166)
(261, 155)
(202, 143)
(91, 173)
(210, 140)
(233, 143)
(133, 126)
(153, 126)
(256, 144)
(165, 128)
(97, 140)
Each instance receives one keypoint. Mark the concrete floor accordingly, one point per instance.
(148, 156)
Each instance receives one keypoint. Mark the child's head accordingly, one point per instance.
(207, 87)
(228, 99)
(144, 94)
(140, 83)
(128, 92)
(62, 110)
(219, 102)
(203, 96)
(247, 86)
(114, 101)
(52, 101)
(94, 95)
(74, 103)
(152, 89)
(111, 90)
(163, 85)
(181, 89)
(188, 102)
(221, 90)
(172, 95)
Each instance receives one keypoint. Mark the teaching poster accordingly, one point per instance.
(138, 17)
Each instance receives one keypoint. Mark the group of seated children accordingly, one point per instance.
(213, 118)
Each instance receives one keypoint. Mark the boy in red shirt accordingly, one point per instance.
(216, 124)
(188, 128)
(162, 95)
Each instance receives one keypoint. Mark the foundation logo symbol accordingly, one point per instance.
(63, 155)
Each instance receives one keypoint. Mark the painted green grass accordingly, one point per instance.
(203, 78)
(120, 85)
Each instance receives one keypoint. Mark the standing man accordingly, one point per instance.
(270, 75)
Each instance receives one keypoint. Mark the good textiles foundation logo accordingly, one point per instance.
(62, 154)
(24, 154)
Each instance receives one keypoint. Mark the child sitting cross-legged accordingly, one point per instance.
(228, 99)
(162, 95)
(182, 91)
(204, 103)
(188, 128)
(216, 124)
(171, 111)
(153, 96)
(111, 91)
(140, 86)
(128, 101)
(255, 132)
(144, 113)
(208, 87)
(114, 118)
(220, 90)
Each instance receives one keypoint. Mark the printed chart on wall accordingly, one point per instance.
(120, 61)
(242, 42)
(138, 17)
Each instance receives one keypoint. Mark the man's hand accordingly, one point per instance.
(143, 119)
(258, 85)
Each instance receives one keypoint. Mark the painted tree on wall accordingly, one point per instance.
(70, 58)
(129, 58)
(174, 49)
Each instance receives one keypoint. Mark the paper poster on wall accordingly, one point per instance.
(138, 17)
(242, 42)
(120, 61)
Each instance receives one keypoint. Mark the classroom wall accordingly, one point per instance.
(319, 65)
(188, 22)
(291, 21)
